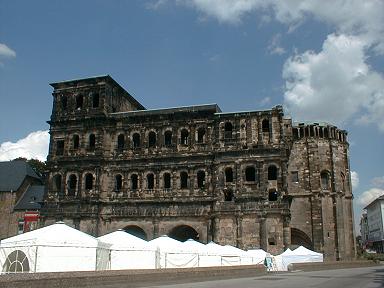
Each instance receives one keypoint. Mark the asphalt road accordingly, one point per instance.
(367, 277)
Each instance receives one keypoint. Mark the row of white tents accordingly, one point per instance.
(58, 248)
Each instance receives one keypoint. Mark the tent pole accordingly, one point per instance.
(37, 250)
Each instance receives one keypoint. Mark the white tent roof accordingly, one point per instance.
(288, 252)
(215, 248)
(194, 246)
(257, 252)
(122, 239)
(304, 251)
(166, 243)
(234, 250)
(58, 234)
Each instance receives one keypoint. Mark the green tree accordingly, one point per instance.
(38, 166)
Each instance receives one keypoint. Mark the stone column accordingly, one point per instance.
(286, 232)
(239, 230)
(155, 228)
(263, 234)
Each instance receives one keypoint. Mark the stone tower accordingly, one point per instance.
(321, 209)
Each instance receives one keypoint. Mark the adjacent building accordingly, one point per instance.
(21, 196)
(375, 223)
(250, 179)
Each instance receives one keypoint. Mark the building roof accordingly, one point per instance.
(31, 199)
(13, 173)
(94, 80)
(213, 108)
(374, 201)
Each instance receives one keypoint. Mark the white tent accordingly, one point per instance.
(129, 252)
(53, 248)
(229, 255)
(173, 254)
(257, 255)
(205, 257)
(299, 255)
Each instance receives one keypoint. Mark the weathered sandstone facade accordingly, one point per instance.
(250, 179)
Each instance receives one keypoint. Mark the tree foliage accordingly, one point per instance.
(38, 166)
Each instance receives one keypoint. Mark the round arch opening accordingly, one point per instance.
(183, 233)
(299, 238)
(136, 231)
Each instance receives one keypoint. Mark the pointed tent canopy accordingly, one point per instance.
(287, 252)
(234, 250)
(215, 248)
(194, 246)
(56, 234)
(166, 243)
(304, 251)
(122, 239)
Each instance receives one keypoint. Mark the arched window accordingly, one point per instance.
(228, 129)
(342, 181)
(228, 175)
(201, 135)
(118, 183)
(152, 139)
(76, 142)
(79, 101)
(64, 102)
(311, 131)
(72, 185)
(60, 147)
(183, 180)
(120, 142)
(88, 181)
(167, 180)
(136, 140)
(295, 133)
(265, 125)
(272, 172)
(168, 138)
(250, 174)
(326, 133)
(92, 141)
(321, 135)
(228, 195)
(324, 180)
(95, 100)
(16, 261)
(150, 181)
(57, 183)
(201, 179)
(273, 195)
(134, 181)
(184, 138)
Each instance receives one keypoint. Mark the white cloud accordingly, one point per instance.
(368, 196)
(274, 46)
(215, 58)
(355, 179)
(6, 52)
(335, 83)
(265, 101)
(355, 17)
(378, 182)
(35, 146)
(224, 10)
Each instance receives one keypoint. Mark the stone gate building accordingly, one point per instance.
(249, 179)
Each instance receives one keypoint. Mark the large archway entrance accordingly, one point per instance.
(136, 231)
(299, 238)
(183, 233)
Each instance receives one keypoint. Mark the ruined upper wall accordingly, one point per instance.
(84, 98)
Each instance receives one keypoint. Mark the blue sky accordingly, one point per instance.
(322, 62)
